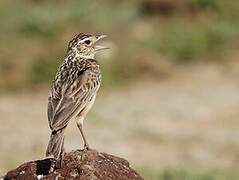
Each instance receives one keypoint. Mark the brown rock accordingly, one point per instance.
(84, 165)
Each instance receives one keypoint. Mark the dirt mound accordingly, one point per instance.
(77, 164)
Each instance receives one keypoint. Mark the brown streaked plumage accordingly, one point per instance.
(73, 90)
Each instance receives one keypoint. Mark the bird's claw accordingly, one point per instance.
(86, 147)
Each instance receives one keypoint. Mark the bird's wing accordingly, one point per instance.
(73, 99)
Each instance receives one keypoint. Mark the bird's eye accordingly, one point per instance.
(87, 41)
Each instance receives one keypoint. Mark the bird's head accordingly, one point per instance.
(84, 44)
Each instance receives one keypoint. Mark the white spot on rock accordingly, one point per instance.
(40, 176)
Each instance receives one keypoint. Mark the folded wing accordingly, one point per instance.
(71, 99)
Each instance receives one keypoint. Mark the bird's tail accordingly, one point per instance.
(55, 145)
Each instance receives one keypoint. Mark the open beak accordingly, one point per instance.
(98, 47)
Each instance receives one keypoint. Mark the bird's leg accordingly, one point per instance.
(80, 126)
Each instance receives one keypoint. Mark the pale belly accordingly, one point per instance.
(81, 115)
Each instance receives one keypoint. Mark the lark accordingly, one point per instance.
(73, 90)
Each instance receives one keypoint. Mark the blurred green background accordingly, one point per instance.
(169, 98)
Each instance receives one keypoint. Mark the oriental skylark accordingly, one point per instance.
(73, 90)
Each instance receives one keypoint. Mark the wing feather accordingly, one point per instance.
(73, 98)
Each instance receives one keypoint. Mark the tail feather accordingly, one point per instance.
(55, 145)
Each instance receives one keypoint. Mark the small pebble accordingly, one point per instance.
(40, 176)
(22, 172)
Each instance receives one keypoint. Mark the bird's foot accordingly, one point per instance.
(86, 147)
(52, 165)
(59, 162)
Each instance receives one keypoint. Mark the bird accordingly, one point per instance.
(73, 90)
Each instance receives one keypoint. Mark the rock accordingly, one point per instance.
(79, 164)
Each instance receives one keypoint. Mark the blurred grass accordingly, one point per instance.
(35, 31)
(32, 29)
(42, 71)
(190, 41)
